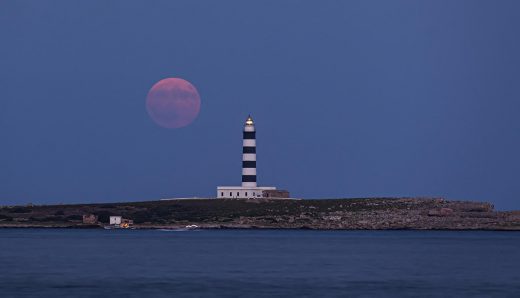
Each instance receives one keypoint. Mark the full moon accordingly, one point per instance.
(173, 103)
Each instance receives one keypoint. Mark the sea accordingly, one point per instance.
(258, 263)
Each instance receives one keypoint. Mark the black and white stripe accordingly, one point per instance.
(249, 154)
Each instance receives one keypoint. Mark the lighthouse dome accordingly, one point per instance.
(249, 120)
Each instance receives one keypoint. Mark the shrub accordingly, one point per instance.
(21, 210)
(141, 217)
(75, 217)
(5, 218)
(104, 216)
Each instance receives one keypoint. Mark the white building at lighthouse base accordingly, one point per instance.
(239, 192)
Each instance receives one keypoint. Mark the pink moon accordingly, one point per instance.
(173, 103)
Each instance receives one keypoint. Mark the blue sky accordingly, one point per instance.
(350, 98)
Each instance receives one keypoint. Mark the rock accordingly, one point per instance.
(446, 211)
(440, 212)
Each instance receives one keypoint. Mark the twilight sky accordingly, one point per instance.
(350, 98)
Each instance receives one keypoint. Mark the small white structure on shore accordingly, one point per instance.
(115, 220)
(249, 188)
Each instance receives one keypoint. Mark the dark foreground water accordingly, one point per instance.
(250, 263)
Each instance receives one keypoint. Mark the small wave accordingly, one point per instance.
(177, 230)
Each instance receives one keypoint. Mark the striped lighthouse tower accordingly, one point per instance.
(249, 188)
(249, 154)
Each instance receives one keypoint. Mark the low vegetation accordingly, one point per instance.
(358, 213)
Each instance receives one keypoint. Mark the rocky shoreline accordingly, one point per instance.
(324, 214)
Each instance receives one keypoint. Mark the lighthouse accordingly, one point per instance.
(249, 188)
(249, 154)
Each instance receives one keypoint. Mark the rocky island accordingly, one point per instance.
(322, 214)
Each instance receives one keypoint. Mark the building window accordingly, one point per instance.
(222, 194)
(246, 193)
(238, 194)
(254, 194)
(230, 194)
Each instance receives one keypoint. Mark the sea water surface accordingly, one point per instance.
(258, 263)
